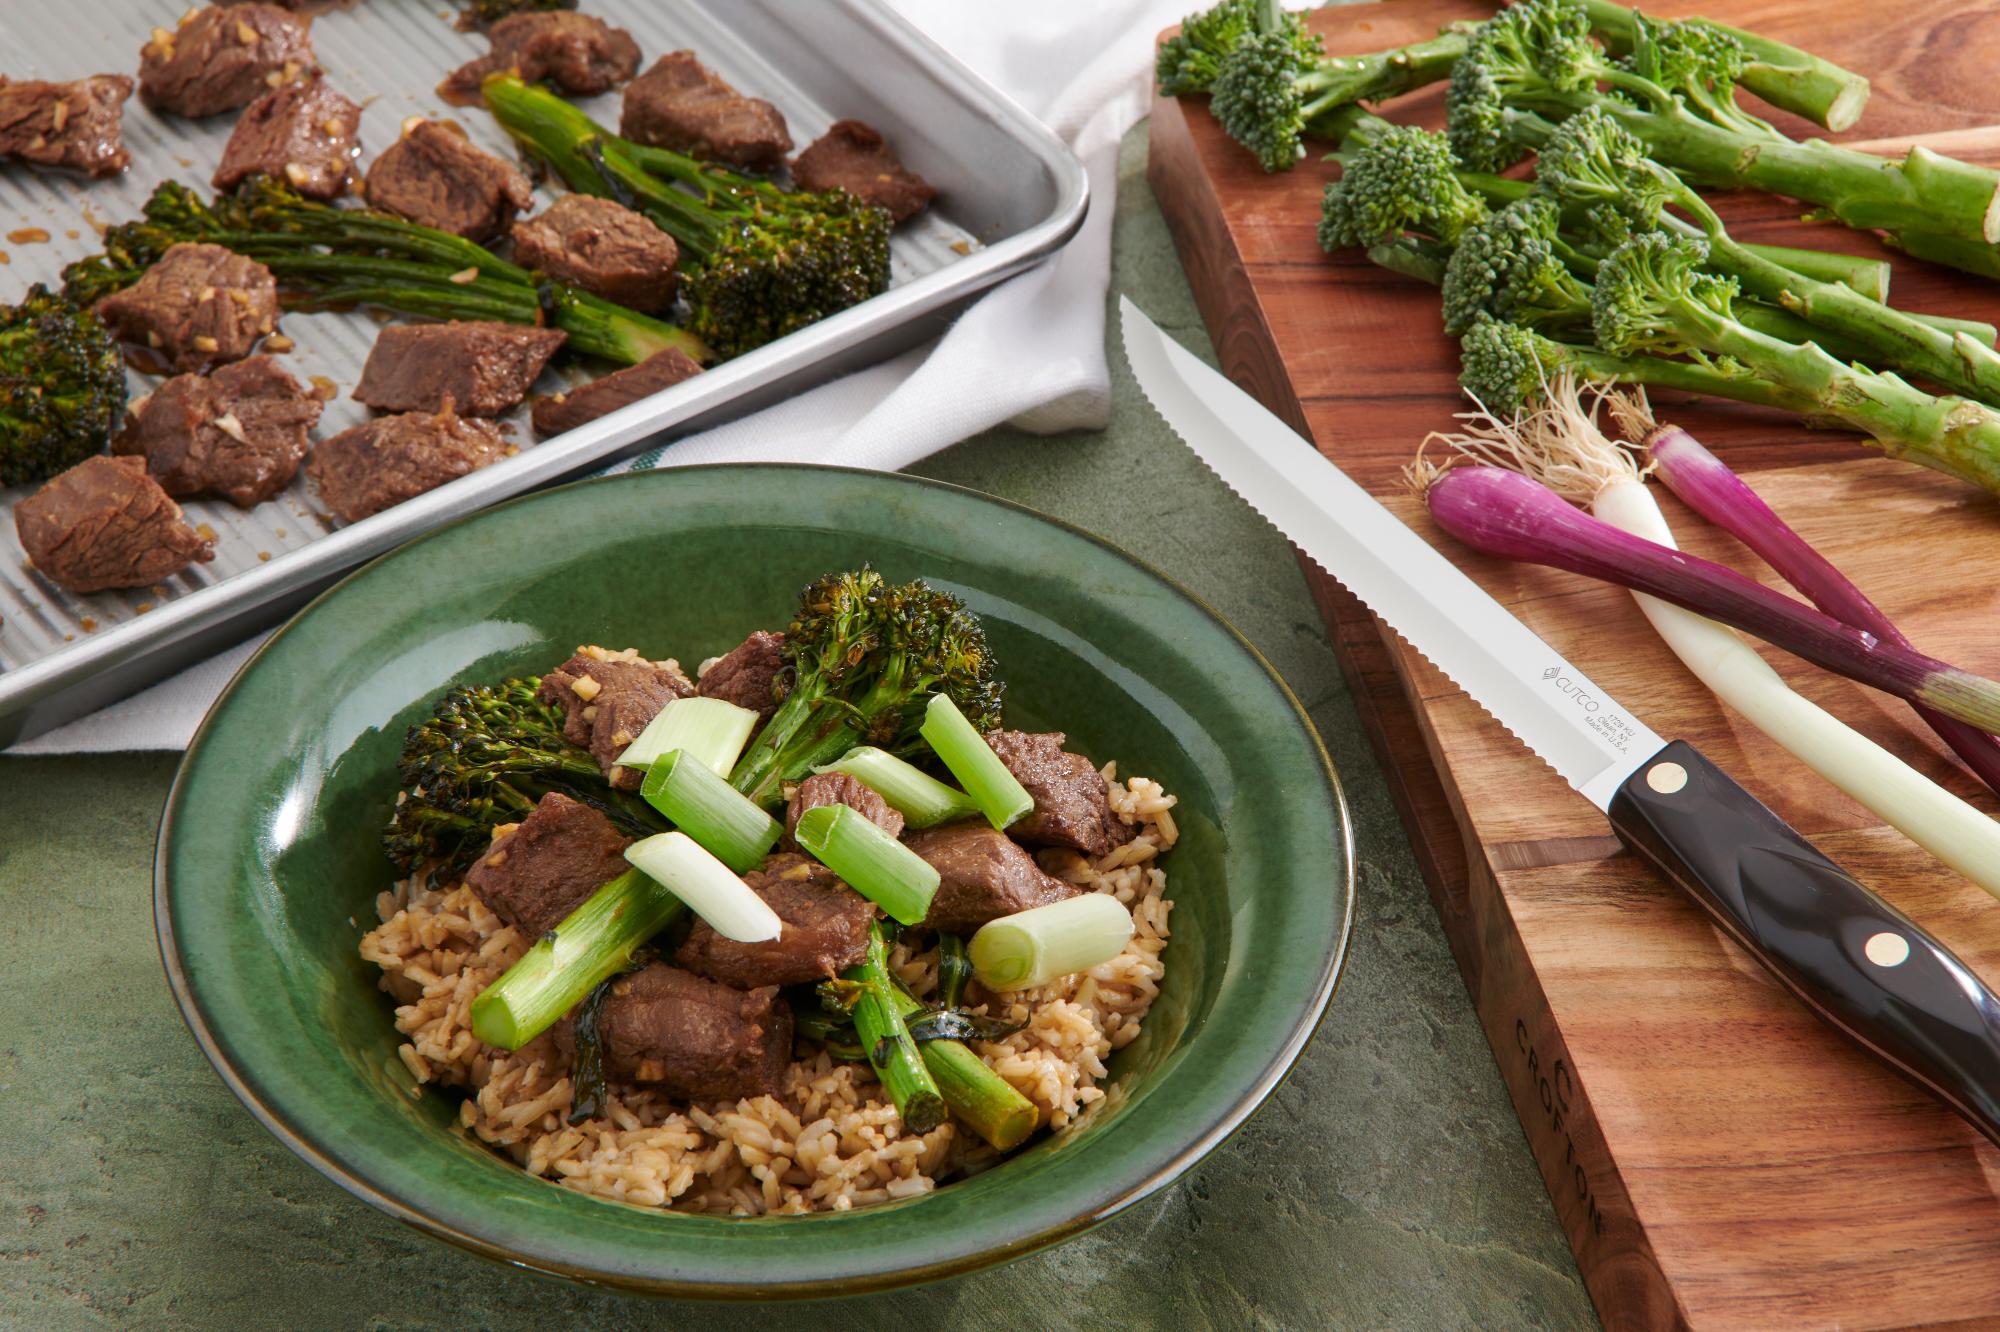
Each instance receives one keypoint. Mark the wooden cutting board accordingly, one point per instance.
(1718, 1158)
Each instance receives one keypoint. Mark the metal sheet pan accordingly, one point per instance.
(1011, 194)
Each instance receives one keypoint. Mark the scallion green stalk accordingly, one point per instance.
(922, 800)
(709, 887)
(1000, 797)
(711, 729)
(981, 1099)
(711, 811)
(566, 964)
(1033, 947)
(871, 862)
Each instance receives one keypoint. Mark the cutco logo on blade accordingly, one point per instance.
(1570, 689)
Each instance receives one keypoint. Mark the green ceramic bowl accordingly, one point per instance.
(269, 864)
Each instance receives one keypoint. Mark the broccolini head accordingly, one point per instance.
(1649, 288)
(1530, 49)
(782, 267)
(1591, 161)
(1697, 62)
(1502, 366)
(1506, 267)
(62, 386)
(1405, 180)
(879, 650)
(1257, 99)
(173, 214)
(485, 756)
(1189, 61)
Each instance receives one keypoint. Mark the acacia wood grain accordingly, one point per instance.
(1717, 1157)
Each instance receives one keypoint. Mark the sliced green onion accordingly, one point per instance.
(922, 800)
(707, 808)
(1033, 947)
(981, 1099)
(566, 964)
(711, 729)
(872, 862)
(979, 770)
(709, 887)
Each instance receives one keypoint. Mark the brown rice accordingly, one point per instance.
(832, 1141)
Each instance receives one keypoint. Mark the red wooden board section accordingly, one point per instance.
(1717, 1157)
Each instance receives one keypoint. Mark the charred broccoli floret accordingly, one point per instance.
(485, 756)
(328, 256)
(1403, 180)
(759, 261)
(864, 656)
(62, 386)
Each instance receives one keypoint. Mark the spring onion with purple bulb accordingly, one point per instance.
(593, 943)
(711, 729)
(1561, 445)
(1508, 515)
(1033, 947)
(922, 800)
(728, 824)
(1707, 485)
(710, 888)
(870, 860)
(956, 741)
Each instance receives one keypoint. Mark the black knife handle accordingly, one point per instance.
(1851, 957)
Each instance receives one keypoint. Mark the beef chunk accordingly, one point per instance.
(437, 176)
(680, 103)
(239, 433)
(983, 875)
(66, 124)
(479, 368)
(690, 1037)
(826, 929)
(607, 699)
(621, 388)
(837, 788)
(580, 54)
(393, 458)
(747, 674)
(533, 876)
(200, 305)
(303, 133)
(221, 59)
(103, 524)
(851, 156)
(1072, 802)
(601, 246)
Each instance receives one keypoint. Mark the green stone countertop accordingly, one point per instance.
(1385, 1185)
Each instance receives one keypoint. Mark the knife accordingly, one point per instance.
(1848, 955)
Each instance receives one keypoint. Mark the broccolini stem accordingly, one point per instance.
(981, 1099)
(880, 1020)
(1339, 81)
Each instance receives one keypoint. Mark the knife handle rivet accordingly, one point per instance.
(1887, 949)
(1666, 778)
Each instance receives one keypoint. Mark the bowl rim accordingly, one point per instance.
(297, 1140)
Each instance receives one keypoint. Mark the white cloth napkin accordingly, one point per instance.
(1030, 352)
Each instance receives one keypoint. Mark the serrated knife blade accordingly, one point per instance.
(1865, 968)
(1529, 687)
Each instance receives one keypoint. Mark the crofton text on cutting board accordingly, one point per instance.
(1717, 1157)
